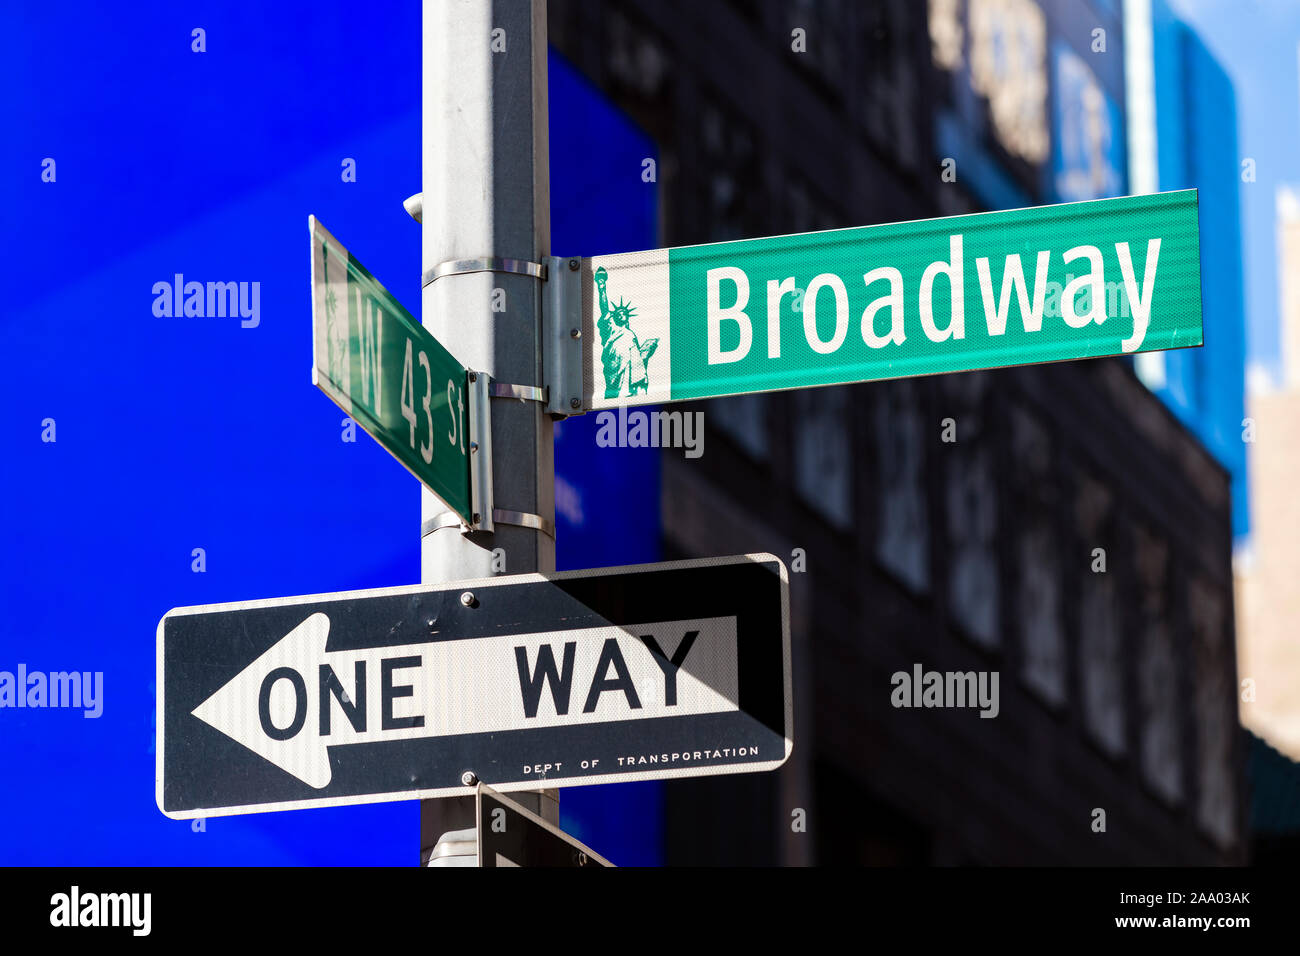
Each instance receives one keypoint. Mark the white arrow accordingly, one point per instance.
(228, 709)
(296, 700)
(274, 708)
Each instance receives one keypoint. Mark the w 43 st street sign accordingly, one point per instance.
(1108, 277)
(523, 681)
(384, 369)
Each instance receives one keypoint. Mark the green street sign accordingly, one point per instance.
(1051, 283)
(386, 371)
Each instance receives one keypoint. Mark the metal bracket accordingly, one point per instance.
(525, 393)
(449, 519)
(443, 519)
(562, 336)
(455, 267)
(485, 517)
(525, 520)
(480, 451)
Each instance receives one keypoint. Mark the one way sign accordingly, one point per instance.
(635, 673)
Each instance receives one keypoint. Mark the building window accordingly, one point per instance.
(823, 460)
(970, 496)
(903, 525)
(1101, 661)
(1088, 152)
(1038, 597)
(826, 26)
(1215, 714)
(635, 58)
(730, 152)
(889, 82)
(805, 209)
(947, 34)
(1157, 671)
(743, 419)
(1008, 67)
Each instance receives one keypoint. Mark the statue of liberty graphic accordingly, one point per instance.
(338, 365)
(624, 357)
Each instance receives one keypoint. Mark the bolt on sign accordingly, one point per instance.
(1025, 286)
(388, 372)
(521, 681)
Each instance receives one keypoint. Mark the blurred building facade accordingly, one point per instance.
(1117, 686)
(1268, 600)
(1182, 121)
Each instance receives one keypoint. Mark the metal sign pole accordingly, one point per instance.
(485, 229)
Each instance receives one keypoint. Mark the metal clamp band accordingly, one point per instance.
(449, 519)
(455, 267)
(524, 520)
(446, 519)
(528, 393)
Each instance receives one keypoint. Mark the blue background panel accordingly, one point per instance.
(182, 433)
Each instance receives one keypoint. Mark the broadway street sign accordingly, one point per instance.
(1108, 277)
(523, 681)
(385, 370)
